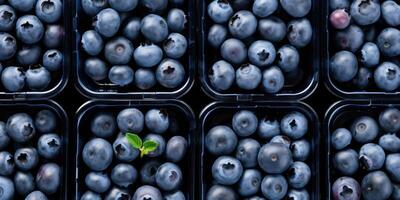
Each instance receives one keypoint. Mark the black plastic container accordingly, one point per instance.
(341, 115)
(219, 113)
(309, 62)
(59, 78)
(9, 108)
(186, 128)
(91, 89)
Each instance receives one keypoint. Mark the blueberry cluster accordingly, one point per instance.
(136, 43)
(366, 44)
(366, 158)
(274, 170)
(31, 37)
(113, 168)
(256, 46)
(29, 151)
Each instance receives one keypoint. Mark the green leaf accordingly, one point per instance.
(134, 140)
(149, 146)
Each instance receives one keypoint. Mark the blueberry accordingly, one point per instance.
(45, 121)
(351, 38)
(175, 45)
(281, 139)
(4, 138)
(6, 163)
(365, 12)
(49, 146)
(29, 29)
(92, 42)
(274, 158)
(124, 175)
(117, 193)
(157, 121)
(123, 6)
(274, 187)
(227, 170)
(26, 158)
(243, 24)
(97, 154)
(370, 54)
(301, 150)
(145, 79)
(96, 69)
(178, 195)
(221, 75)
(53, 60)
(389, 42)
(340, 19)
(363, 78)
(48, 178)
(156, 6)
(169, 177)
(8, 18)
(22, 5)
(124, 151)
(339, 4)
(7, 186)
(248, 77)
(268, 128)
(391, 13)
(392, 166)
(29, 54)
(107, 22)
(341, 138)
(24, 183)
(20, 127)
(118, 51)
(343, 66)
(53, 37)
(273, 80)
(247, 152)
(97, 181)
(244, 123)
(37, 79)
(148, 172)
(220, 140)
(297, 8)
(217, 35)
(372, 157)
(148, 55)
(132, 28)
(346, 188)
(264, 8)
(176, 20)
(92, 7)
(288, 58)
(8, 46)
(294, 125)
(220, 11)
(161, 145)
(387, 76)
(272, 28)
(262, 53)
(388, 120)
(147, 192)
(170, 73)
(121, 75)
(89, 195)
(249, 183)
(154, 28)
(234, 51)
(103, 125)
(299, 32)
(130, 120)
(176, 148)
(49, 11)
(218, 192)
(364, 129)
(376, 185)
(346, 161)
(299, 175)
(390, 142)
(294, 194)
